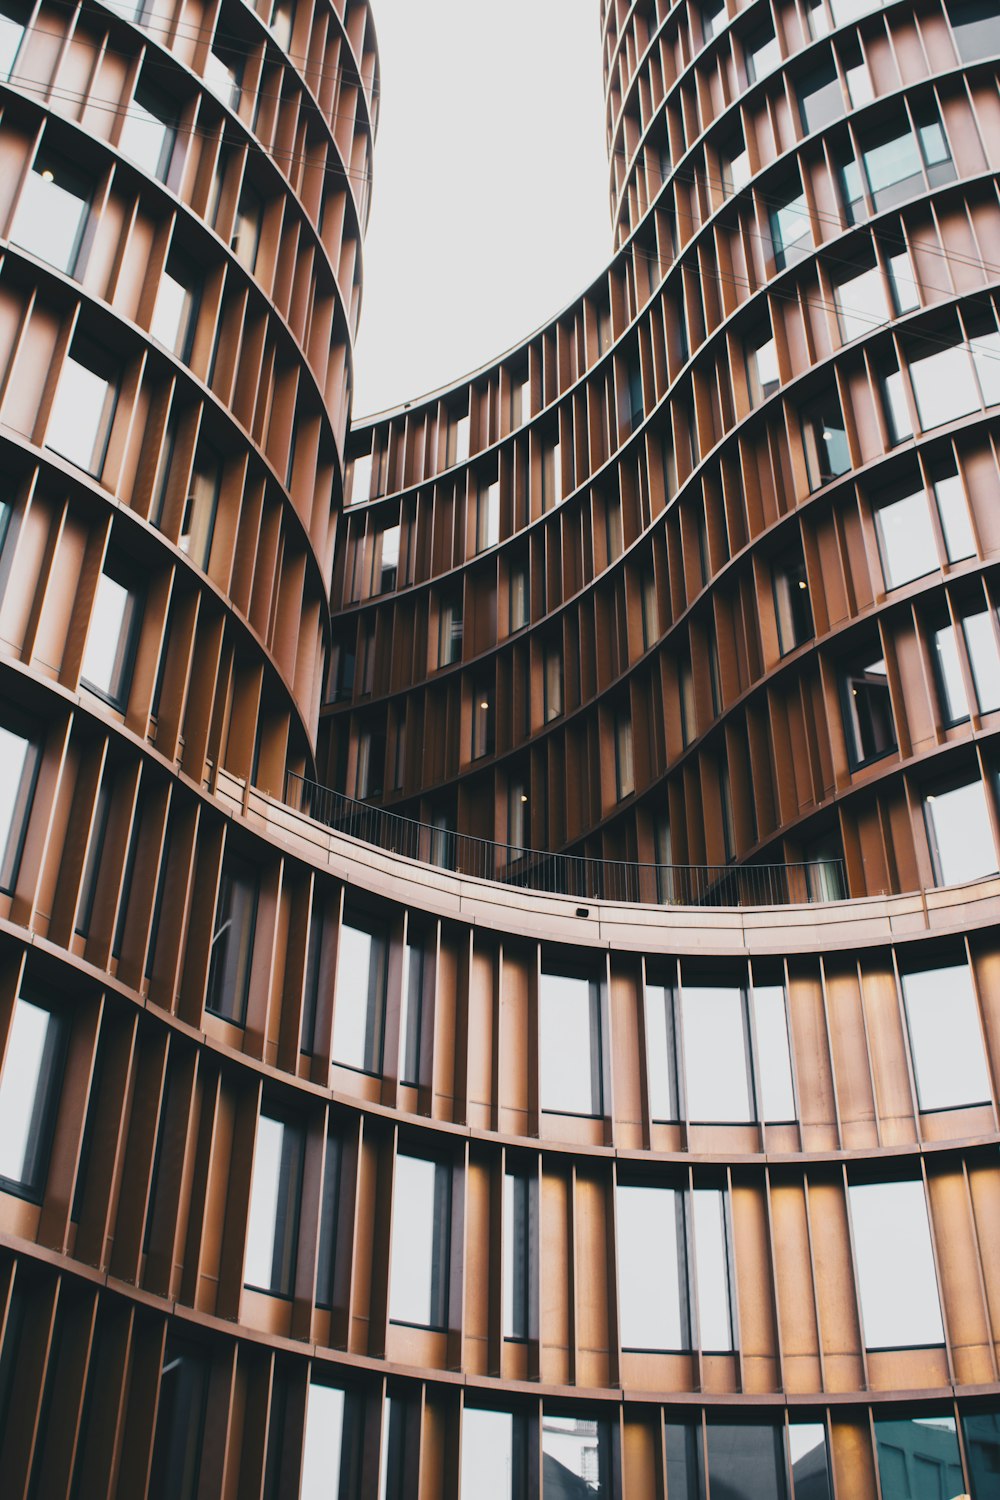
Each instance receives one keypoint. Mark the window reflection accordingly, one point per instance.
(918, 1456)
(810, 1457)
(576, 1458)
(746, 1460)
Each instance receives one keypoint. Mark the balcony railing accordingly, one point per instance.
(574, 875)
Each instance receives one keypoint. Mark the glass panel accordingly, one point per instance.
(982, 1447)
(516, 1255)
(716, 1074)
(685, 1461)
(897, 414)
(712, 1269)
(180, 1422)
(871, 730)
(173, 315)
(958, 823)
(80, 420)
(760, 48)
(861, 304)
(906, 539)
(570, 1044)
(893, 168)
(487, 1455)
(919, 1457)
(53, 208)
(793, 610)
(274, 1206)
(418, 1277)
(895, 1265)
(223, 75)
(776, 1094)
(323, 1444)
(762, 368)
(820, 98)
(359, 1000)
(201, 506)
(713, 18)
(810, 1461)
(650, 1269)
(905, 293)
(232, 941)
(411, 1013)
(147, 137)
(946, 1039)
(107, 660)
(974, 23)
(361, 478)
(326, 1263)
(574, 1449)
(746, 1462)
(948, 672)
(18, 760)
(943, 386)
(660, 1050)
(986, 358)
(246, 230)
(959, 541)
(984, 658)
(825, 439)
(27, 1095)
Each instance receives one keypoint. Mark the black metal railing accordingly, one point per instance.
(568, 874)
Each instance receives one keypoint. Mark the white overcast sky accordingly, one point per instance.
(490, 208)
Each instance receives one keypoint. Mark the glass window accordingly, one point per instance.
(95, 851)
(982, 1447)
(517, 818)
(149, 130)
(224, 75)
(985, 348)
(331, 1446)
(201, 506)
(859, 83)
(960, 834)
(459, 435)
(868, 720)
(19, 756)
(810, 1457)
(275, 1196)
(79, 423)
(329, 1209)
(652, 1268)
(903, 282)
(713, 18)
(792, 607)
(519, 1235)
(897, 415)
(570, 1045)
(246, 229)
(892, 166)
(483, 721)
(232, 940)
(959, 541)
(762, 366)
(661, 1050)
(946, 1040)
(943, 386)
(737, 1450)
(716, 1054)
(111, 638)
(29, 1088)
(518, 597)
(624, 761)
(984, 658)
(861, 303)
(824, 438)
(488, 515)
(819, 94)
(791, 234)
(282, 19)
(12, 20)
(418, 1277)
(359, 1004)
(552, 473)
(734, 161)
(175, 1472)
(53, 209)
(895, 1265)
(411, 1013)
(492, 1456)
(553, 683)
(775, 1092)
(576, 1458)
(711, 1255)
(450, 631)
(176, 303)
(761, 52)
(918, 1456)
(387, 555)
(361, 478)
(974, 23)
(906, 538)
(948, 674)
(817, 19)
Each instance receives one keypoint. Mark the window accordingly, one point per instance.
(713, 1304)
(949, 493)
(738, 1449)
(948, 674)
(518, 597)
(246, 229)
(19, 756)
(329, 1209)
(418, 1276)
(411, 1013)
(369, 775)
(111, 638)
(520, 1232)
(493, 1456)
(817, 18)
(459, 435)
(149, 130)
(386, 559)
(450, 631)
(275, 1196)
(718, 1072)
(176, 305)
(575, 1449)
(361, 478)
(175, 1471)
(982, 1447)
(553, 683)
(201, 506)
(734, 162)
(54, 208)
(810, 1456)
(861, 303)
(686, 704)
(29, 1090)
(868, 720)
(95, 851)
(791, 234)
(897, 415)
(761, 52)
(224, 75)
(483, 722)
(359, 1008)
(570, 1045)
(819, 94)
(903, 282)
(652, 1268)
(80, 420)
(824, 438)
(517, 817)
(859, 83)
(984, 658)
(232, 940)
(488, 515)
(762, 366)
(331, 1456)
(918, 1456)
(713, 18)
(974, 23)
(661, 1045)
(960, 833)
(906, 540)
(944, 386)
(12, 20)
(775, 1090)
(624, 763)
(792, 607)
(552, 473)
(946, 1040)
(894, 158)
(895, 1265)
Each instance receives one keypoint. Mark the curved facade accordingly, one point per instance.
(325, 1172)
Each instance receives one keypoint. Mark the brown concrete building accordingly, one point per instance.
(532, 1030)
